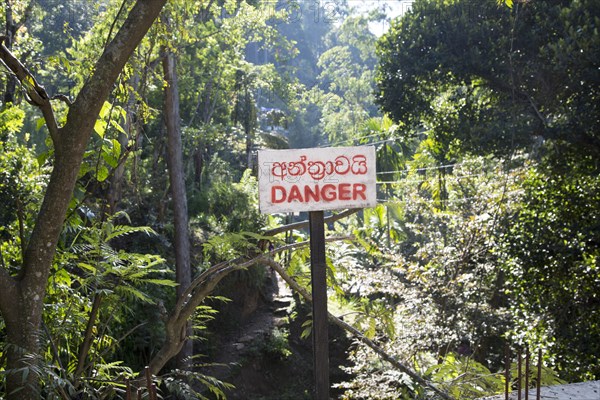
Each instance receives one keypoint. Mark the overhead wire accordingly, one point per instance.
(352, 140)
(448, 178)
(419, 169)
(447, 201)
(407, 170)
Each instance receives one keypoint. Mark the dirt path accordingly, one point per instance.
(239, 359)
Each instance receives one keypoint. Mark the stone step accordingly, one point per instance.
(283, 301)
(281, 312)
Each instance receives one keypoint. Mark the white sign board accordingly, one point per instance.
(316, 179)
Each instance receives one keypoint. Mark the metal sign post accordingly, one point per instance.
(318, 269)
(314, 180)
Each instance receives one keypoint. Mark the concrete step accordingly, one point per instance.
(573, 391)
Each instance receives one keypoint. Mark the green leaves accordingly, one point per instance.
(529, 44)
(485, 97)
(552, 264)
(231, 245)
(100, 128)
(465, 378)
(184, 384)
(424, 271)
(96, 287)
(108, 154)
(22, 181)
(115, 272)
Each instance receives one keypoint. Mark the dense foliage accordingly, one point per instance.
(532, 67)
(482, 79)
(553, 248)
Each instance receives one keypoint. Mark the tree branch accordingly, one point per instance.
(238, 263)
(36, 93)
(86, 107)
(64, 98)
(205, 283)
(199, 289)
(175, 327)
(88, 336)
(74, 136)
(7, 285)
(537, 111)
(304, 224)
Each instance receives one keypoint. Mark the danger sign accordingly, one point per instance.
(316, 179)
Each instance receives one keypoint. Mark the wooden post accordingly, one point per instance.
(539, 376)
(318, 268)
(519, 374)
(507, 376)
(128, 390)
(527, 356)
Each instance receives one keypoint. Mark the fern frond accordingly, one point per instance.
(119, 231)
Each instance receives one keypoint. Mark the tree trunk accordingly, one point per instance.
(22, 297)
(249, 123)
(198, 166)
(22, 344)
(183, 273)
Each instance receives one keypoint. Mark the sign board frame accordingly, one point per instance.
(317, 179)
